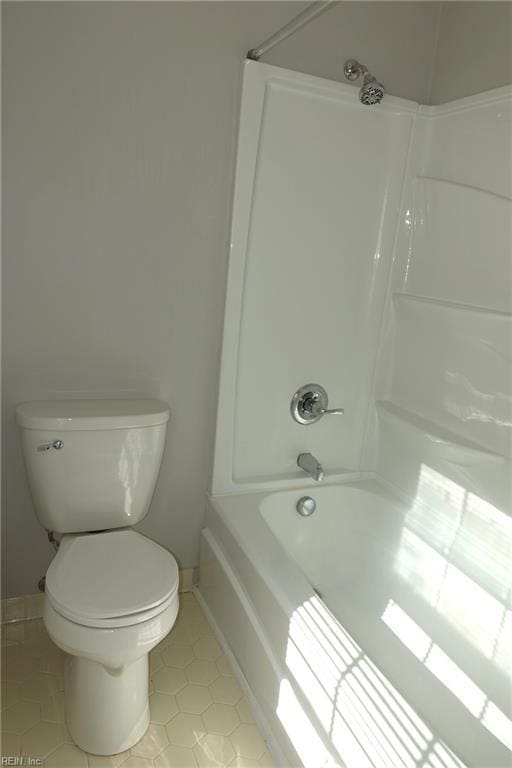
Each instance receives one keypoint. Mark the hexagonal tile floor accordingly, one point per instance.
(199, 716)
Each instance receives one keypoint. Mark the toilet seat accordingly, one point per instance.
(112, 579)
(129, 620)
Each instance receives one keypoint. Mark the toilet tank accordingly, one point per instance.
(92, 464)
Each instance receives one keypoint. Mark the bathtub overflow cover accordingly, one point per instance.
(306, 506)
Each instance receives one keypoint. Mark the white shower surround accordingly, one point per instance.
(293, 221)
(427, 388)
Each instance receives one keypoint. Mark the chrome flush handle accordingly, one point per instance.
(57, 444)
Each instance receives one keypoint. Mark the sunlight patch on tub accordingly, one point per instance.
(454, 554)
(449, 673)
(308, 745)
(343, 694)
(456, 544)
(438, 662)
(478, 617)
(474, 699)
(498, 724)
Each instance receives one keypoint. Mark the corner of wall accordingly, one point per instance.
(433, 71)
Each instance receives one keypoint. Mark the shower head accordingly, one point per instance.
(372, 91)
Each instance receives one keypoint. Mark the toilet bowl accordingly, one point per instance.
(110, 598)
(111, 593)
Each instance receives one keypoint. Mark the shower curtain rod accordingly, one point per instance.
(299, 21)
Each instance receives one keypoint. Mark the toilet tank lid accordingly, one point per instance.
(91, 414)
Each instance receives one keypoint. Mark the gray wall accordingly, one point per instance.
(119, 137)
(474, 50)
(395, 40)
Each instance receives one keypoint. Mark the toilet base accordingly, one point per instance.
(107, 710)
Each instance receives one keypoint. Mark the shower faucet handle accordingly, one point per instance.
(325, 411)
(309, 404)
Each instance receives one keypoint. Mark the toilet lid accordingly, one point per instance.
(110, 575)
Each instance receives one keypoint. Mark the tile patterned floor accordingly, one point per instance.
(199, 716)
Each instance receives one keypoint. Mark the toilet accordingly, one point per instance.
(111, 593)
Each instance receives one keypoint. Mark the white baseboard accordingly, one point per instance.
(188, 579)
(22, 608)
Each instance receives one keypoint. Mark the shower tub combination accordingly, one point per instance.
(274, 581)
(375, 632)
(342, 659)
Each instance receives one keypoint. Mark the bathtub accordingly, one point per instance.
(329, 622)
